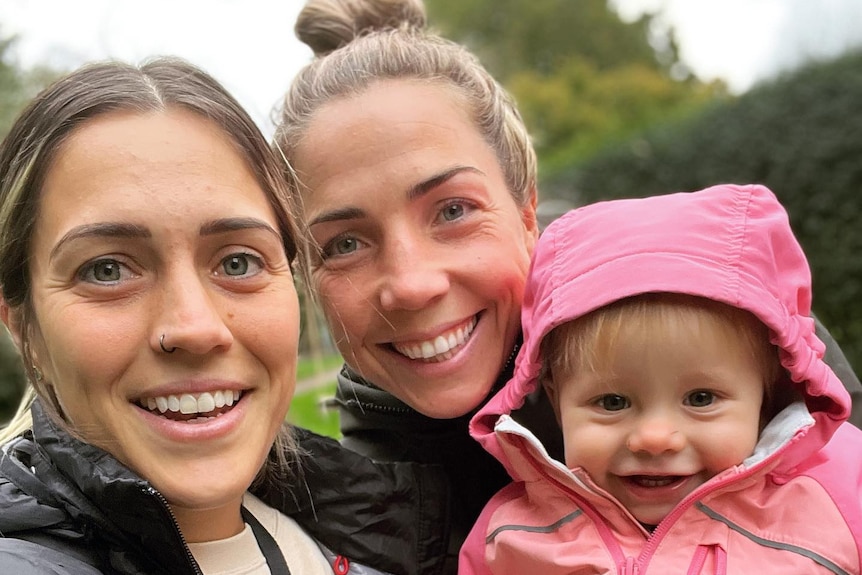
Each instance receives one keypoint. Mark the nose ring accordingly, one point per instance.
(162, 345)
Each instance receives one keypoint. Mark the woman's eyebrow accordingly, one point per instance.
(226, 225)
(126, 230)
(415, 191)
(337, 215)
(427, 185)
(104, 229)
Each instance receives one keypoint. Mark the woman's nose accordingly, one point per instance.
(656, 435)
(412, 278)
(191, 317)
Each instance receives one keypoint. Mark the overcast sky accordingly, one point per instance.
(249, 44)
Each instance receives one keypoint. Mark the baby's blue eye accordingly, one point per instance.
(613, 402)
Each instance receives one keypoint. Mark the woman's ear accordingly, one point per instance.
(528, 212)
(530, 219)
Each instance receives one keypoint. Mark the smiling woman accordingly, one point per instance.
(146, 237)
(419, 189)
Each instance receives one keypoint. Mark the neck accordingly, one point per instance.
(213, 524)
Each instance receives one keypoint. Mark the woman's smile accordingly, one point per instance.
(414, 220)
(439, 348)
(154, 288)
(192, 408)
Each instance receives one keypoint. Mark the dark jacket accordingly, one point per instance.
(71, 508)
(377, 424)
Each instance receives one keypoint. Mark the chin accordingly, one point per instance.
(203, 493)
(450, 408)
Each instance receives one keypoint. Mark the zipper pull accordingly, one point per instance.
(630, 568)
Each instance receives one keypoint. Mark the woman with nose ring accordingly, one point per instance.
(162, 345)
(146, 242)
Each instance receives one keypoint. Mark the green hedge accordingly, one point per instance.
(801, 135)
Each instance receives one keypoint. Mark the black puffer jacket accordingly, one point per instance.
(71, 508)
(378, 425)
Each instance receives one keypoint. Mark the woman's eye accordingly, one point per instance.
(102, 271)
(453, 212)
(240, 264)
(340, 246)
(345, 246)
(613, 402)
(700, 398)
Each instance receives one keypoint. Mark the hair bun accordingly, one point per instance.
(326, 25)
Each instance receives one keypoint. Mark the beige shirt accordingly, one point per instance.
(241, 555)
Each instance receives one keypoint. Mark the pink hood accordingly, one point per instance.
(728, 243)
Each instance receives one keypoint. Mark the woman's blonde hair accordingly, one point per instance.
(360, 42)
(27, 153)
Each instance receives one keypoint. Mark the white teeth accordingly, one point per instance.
(441, 347)
(428, 349)
(206, 403)
(188, 403)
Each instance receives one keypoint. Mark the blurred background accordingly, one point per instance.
(623, 98)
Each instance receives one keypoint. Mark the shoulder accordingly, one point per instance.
(27, 558)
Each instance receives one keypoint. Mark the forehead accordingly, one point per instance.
(391, 119)
(133, 137)
(391, 136)
(124, 163)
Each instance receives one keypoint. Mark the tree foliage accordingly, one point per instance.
(582, 77)
(540, 35)
(800, 135)
(12, 87)
(581, 109)
(18, 85)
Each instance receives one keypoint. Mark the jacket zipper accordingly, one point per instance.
(375, 407)
(683, 506)
(164, 503)
(628, 565)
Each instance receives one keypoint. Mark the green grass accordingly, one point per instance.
(306, 409)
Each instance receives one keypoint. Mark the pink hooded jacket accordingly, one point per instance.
(793, 506)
